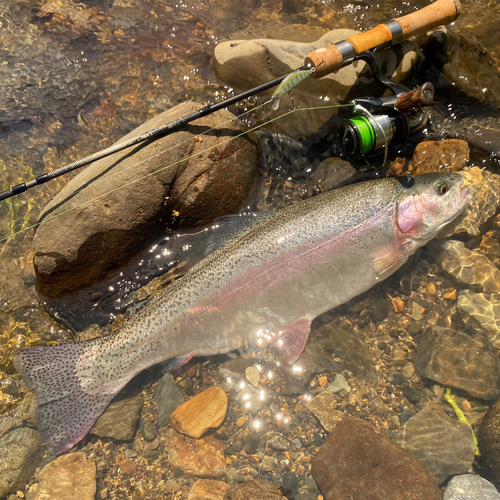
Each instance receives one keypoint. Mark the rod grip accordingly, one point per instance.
(330, 58)
(416, 98)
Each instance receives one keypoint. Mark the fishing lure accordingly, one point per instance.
(288, 84)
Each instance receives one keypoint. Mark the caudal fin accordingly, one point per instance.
(65, 413)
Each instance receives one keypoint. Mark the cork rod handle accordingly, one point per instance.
(331, 58)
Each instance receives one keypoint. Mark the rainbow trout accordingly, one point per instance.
(264, 286)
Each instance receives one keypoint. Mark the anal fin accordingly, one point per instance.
(293, 339)
(174, 363)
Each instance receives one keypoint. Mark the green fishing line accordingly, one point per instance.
(366, 132)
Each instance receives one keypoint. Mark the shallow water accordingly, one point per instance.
(75, 77)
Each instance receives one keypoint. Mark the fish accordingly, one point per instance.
(264, 286)
(291, 81)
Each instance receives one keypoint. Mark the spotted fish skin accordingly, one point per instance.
(265, 285)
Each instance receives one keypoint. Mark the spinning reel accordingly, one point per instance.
(386, 121)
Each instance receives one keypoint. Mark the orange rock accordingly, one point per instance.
(205, 411)
(450, 293)
(397, 304)
(202, 457)
(208, 489)
(128, 466)
(241, 421)
(322, 381)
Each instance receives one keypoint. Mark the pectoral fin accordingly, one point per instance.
(389, 257)
(293, 339)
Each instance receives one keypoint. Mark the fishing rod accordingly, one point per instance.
(317, 64)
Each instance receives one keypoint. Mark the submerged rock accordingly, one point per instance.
(68, 477)
(470, 487)
(324, 408)
(445, 447)
(489, 441)
(208, 489)
(209, 177)
(450, 155)
(483, 203)
(244, 64)
(485, 309)
(21, 452)
(468, 267)
(119, 421)
(168, 397)
(197, 457)
(253, 490)
(201, 413)
(356, 458)
(454, 359)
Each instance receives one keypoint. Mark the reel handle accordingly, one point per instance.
(332, 57)
(416, 98)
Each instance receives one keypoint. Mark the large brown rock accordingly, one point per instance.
(489, 441)
(244, 64)
(93, 226)
(358, 463)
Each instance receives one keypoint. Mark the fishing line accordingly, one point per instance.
(118, 171)
(175, 163)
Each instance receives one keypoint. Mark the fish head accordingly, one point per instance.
(427, 202)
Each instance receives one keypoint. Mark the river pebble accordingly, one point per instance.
(208, 489)
(21, 452)
(454, 359)
(253, 490)
(444, 446)
(339, 386)
(168, 397)
(68, 477)
(470, 487)
(119, 421)
(468, 267)
(252, 374)
(197, 457)
(201, 413)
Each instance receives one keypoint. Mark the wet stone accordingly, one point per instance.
(252, 442)
(489, 441)
(450, 155)
(168, 397)
(21, 452)
(485, 309)
(408, 370)
(445, 447)
(289, 485)
(201, 458)
(339, 385)
(201, 413)
(119, 421)
(146, 427)
(253, 490)
(323, 407)
(268, 464)
(128, 466)
(355, 457)
(470, 487)
(208, 489)
(278, 442)
(68, 477)
(252, 374)
(468, 267)
(454, 359)
(483, 203)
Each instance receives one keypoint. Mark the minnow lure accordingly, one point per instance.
(288, 84)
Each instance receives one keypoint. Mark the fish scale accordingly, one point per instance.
(264, 286)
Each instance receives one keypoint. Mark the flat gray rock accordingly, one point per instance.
(454, 359)
(120, 419)
(168, 397)
(470, 487)
(445, 447)
(21, 453)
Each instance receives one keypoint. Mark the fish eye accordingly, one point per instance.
(442, 188)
